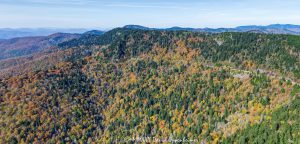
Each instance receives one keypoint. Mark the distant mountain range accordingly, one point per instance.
(30, 41)
(22, 46)
(270, 29)
(28, 45)
(8, 33)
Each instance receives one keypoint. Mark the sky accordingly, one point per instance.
(106, 14)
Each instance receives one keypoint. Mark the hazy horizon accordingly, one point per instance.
(99, 28)
(105, 14)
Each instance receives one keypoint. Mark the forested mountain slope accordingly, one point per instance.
(281, 127)
(16, 47)
(277, 52)
(129, 84)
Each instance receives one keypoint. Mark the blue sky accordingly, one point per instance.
(151, 13)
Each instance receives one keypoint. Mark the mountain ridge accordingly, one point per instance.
(22, 46)
(8, 33)
(268, 29)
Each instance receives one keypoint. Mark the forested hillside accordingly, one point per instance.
(128, 84)
(23, 46)
(282, 127)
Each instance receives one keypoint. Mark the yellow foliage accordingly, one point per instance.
(268, 118)
(205, 126)
(153, 118)
(244, 111)
(256, 108)
(162, 124)
(182, 49)
(132, 78)
(215, 136)
(121, 112)
(186, 123)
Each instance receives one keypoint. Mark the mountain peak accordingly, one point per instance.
(136, 27)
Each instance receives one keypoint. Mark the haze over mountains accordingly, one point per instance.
(270, 29)
(37, 40)
(7, 33)
(28, 45)
(22, 46)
